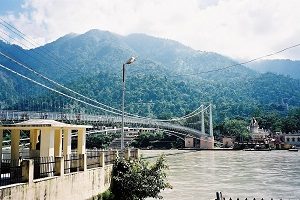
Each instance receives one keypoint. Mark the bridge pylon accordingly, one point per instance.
(205, 141)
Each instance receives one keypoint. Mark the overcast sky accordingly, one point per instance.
(241, 29)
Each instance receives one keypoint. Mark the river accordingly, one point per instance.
(198, 175)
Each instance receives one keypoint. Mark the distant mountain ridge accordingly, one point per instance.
(278, 66)
(168, 79)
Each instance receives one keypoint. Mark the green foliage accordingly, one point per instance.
(107, 195)
(270, 121)
(235, 127)
(100, 140)
(157, 140)
(152, 87)
(144, 139)
(137, 180)
(292, 121)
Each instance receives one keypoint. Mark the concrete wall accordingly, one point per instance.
(206, 142)
(78, 185)
(189, 142)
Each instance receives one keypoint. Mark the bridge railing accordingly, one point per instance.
(8, 115)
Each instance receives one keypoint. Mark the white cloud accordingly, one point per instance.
(237, 28)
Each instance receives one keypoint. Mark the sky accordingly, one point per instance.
(241, 29)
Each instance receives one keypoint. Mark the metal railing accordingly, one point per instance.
(93, 158)
(11, 172)
(72, 163)
(43, 167)
(108, 157)
(219, 196)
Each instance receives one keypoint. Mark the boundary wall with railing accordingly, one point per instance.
(73, 177)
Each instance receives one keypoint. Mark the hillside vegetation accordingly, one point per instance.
(168, 79)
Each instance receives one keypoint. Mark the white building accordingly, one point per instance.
(292, 138)
(258, 134)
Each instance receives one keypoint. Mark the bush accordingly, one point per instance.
(137, 180)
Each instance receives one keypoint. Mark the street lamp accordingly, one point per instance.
(130, 61)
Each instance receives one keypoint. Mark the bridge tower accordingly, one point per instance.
(207, 141)
(211, 133)
(202, 121)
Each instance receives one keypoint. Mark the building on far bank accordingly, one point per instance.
(228, 142)
(292, 139)
(258, 134)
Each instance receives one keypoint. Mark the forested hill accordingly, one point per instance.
(168, 79)
(286, 67)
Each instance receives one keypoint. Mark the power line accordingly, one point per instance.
(186, 116)
(238, 64)
(36, 45)
(81, 101)
(54, 82)
(64, 87)
(23, 51)
(56, 91)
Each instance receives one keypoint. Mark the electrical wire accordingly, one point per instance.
(239, 64)
(81, 101)
(56, 91)
(46, 52)
(186, 117)
(70, 90)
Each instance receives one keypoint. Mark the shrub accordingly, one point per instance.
(137, 180)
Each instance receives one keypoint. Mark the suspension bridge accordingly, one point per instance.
(131, 120)
(41, 97)
(100, 124)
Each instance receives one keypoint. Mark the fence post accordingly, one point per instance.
(137, 154)
(127, 154)
(27, 170)
(110, 155)
(82, 162)
(59, 166)
(102, 159)
(116, 154)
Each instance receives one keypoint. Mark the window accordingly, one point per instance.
(293, 139)
(298, 139)
(287, 139)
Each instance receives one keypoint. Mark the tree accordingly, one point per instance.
(137, 180)
(237, 128)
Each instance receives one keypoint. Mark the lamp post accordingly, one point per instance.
(130, 61)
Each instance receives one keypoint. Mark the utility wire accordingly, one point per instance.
(76, 99)
(238, 64)
(185, 117)
(66, 88)
(36, 45)
(72, 91)
(56, 91)
(23, 36)
(56, 83)
(23, 51)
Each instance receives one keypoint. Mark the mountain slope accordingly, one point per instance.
(284, 67)
(168, 79)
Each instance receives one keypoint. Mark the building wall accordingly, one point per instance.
(189, 142)
(292, 139)
(74, 186)
(227, 142)
(206, 142)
